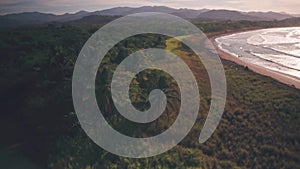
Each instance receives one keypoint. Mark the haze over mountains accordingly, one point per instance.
(202, 14)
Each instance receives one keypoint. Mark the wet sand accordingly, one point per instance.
(291, 81)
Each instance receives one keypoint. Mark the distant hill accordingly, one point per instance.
(75, 16)
(161, 9)
(100, 20)
(226, 15)
(93, 19)
(291, 21)
(202, 14)
(296, 15)
(118, 11)
(189, 13)
(39, 18)
(30, 17)
(270, 15)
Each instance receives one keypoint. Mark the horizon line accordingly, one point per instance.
(57, 13)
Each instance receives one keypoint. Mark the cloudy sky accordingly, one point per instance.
(63, 6)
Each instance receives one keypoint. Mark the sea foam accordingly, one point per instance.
(276, 49)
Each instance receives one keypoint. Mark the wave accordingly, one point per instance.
(277, 49)
(280, 64)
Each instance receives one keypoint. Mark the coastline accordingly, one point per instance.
(285, 79)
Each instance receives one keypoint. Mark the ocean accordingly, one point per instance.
(276, 49)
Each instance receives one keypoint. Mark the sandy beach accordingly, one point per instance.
(288, 80)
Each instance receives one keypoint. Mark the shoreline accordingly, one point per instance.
(280, 77)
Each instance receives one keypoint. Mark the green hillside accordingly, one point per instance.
(259, 128)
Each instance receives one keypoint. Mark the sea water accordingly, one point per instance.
(276, 49)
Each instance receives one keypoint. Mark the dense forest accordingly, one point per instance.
(259, 127)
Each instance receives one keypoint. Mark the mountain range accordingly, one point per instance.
(202, 14)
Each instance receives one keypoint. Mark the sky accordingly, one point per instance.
(71, 6)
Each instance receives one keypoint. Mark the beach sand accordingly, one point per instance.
(257, 69)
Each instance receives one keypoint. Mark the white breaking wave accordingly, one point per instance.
(277, 49)
(285, 65)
